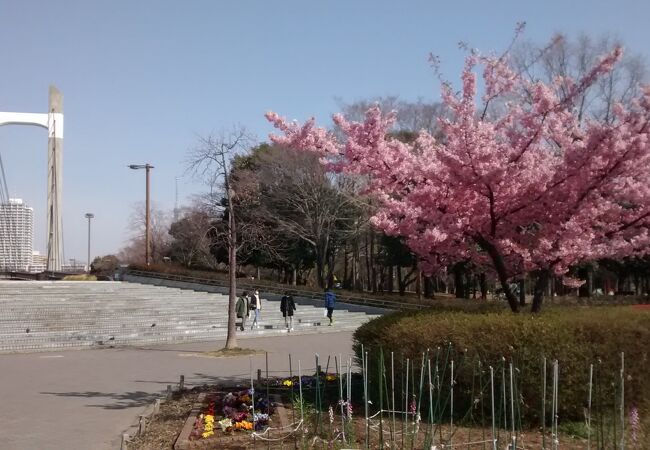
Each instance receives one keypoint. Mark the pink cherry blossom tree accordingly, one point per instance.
(517, 180)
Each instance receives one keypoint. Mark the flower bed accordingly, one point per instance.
(229, 412)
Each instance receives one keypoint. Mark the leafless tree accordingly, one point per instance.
(574, 58)
(411, 116)
(306, 203)
(191, 237)
(210, 160)
(134, 250)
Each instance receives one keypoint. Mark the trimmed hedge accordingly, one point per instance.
(575, 336)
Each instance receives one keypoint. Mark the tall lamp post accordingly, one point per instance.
(147, 167)
(89, 216)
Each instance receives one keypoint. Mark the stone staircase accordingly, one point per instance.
(55, 315)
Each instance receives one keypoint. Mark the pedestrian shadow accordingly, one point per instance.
(113, 400)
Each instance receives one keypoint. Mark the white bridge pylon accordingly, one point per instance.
(53, 122)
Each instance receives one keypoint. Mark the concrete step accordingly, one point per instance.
(63, 315)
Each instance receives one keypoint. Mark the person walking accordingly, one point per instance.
(330, 301)
(242, 307)
(287, 306)
(256, 306)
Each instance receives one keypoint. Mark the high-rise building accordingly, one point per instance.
(16, 235)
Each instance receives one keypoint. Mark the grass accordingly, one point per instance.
(233, 352)
(80, 277)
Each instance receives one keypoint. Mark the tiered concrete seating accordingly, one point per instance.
(44, 315)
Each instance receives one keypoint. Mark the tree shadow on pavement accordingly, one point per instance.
(113, 400)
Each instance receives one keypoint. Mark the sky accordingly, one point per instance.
(143, 79)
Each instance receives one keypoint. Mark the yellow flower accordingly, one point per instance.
(287, 383)
(207, 434)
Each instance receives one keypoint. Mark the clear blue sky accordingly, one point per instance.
(142, 78)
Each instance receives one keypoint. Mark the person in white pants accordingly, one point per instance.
(256, 306)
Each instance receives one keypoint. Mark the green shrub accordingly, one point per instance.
(575, 336)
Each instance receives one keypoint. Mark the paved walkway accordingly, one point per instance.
(85, 399)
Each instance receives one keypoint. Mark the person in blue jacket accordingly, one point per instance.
(330, 301)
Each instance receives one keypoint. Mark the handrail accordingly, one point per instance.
(241, 284)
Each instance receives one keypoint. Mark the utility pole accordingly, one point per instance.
(147, 237)
(89, 216)
(176, 201)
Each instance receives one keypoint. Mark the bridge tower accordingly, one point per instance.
(53, 122)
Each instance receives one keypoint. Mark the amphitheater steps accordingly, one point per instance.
(41, 316)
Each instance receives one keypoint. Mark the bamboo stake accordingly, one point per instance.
(503, 389)
(494, 439)
(591, 384)
(513, 437)
(381, 398)
(338, 375)
(319, 425)
(406, 404)
(451, 405)
(392, 388)
(622, 404)
(365, 396)
(252, 397)
(430, 432)
(544, 404)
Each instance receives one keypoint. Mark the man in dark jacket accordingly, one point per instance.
(287, 306)
(242, 308)
(330, 301)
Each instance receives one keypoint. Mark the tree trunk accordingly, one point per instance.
(356, 265)
(418, 285)
(390, 281)
(459, 281)
(320, 272)
(482, 281)
(294, 277)
(345, 283)
(540, 287)
(330, 269)
(500, 268)
(428, 287)
(373, 268)
(231, 337)
(400, 281)
(586, 289)
(368, 265)
(522, 292)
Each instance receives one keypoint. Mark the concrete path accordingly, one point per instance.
(85, 399)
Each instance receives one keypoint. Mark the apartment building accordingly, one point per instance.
(16, 235)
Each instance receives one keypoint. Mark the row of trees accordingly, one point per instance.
(542, 173)
(297, 217)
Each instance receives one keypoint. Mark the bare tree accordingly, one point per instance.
(191, 238)
(411, 116)
(210, 160)
(567, 58)
(306, 203)
(134, 250)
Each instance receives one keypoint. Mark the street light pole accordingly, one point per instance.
(89, 216)
(147, 235)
